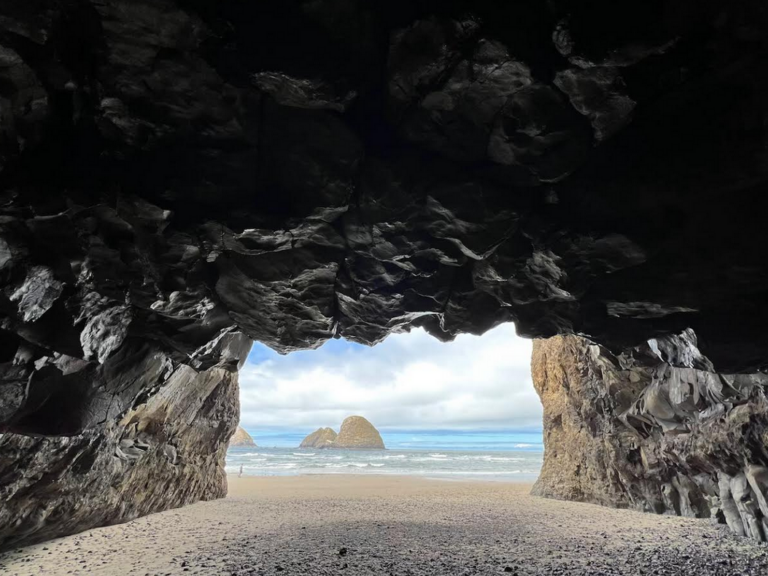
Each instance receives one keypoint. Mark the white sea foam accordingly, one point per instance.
(500, 459)
(424, 463)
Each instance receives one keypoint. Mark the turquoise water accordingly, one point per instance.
(432, 454)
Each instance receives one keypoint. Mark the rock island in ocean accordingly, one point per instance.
(356, 433)
(241, 438)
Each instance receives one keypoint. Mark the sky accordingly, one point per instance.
(410, 381)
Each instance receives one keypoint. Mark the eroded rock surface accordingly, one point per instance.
(162, 445)
(189, 173)
(631, 431)
(241, 438)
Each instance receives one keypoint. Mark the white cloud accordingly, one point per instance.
(407, 381)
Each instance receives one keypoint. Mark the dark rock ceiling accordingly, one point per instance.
(175, 172)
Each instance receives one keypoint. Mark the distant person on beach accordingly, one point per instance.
(240, 475)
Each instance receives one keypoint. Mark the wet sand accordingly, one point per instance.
(393, 526)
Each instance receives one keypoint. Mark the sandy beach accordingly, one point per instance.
(395, 526)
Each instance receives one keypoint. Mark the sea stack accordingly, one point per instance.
(320, 438)
(241, 438)
(356, 433)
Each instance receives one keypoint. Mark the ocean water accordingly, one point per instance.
(437, 454)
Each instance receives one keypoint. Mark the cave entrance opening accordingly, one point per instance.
(465, 408)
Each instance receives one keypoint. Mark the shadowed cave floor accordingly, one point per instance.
(394, 526)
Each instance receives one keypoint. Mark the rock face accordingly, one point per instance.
(320, 438)
(153, 452)
(193, 174)
(632, 431)
(241, 438)
(356, 433)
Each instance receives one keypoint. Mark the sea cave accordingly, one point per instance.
(181, 178)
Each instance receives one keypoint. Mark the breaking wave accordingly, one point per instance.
(512, 464)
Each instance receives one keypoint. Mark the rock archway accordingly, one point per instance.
(179, 177)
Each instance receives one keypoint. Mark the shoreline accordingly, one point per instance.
(502, 465)
(349, 486)
(481, 478)
(322, 524)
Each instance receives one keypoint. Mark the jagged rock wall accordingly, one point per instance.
(186, 172)
(632, 431)
(162, 447)
(302, 170)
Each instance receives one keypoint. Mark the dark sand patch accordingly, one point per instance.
(393, 525)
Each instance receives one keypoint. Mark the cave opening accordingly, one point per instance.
(460, 409)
